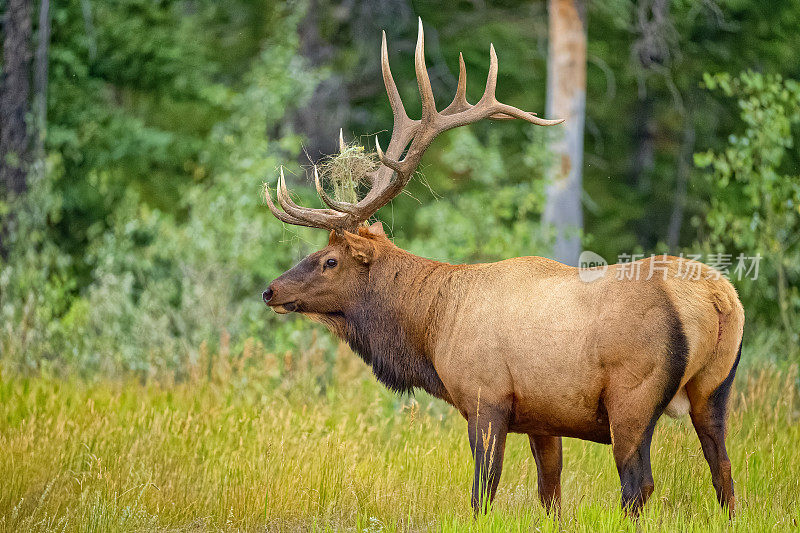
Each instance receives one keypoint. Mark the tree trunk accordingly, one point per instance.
(14, 96)
(320, 122)
(14, 101)
(644, 145)
(681, 183)
(40, 81)
(566, 98)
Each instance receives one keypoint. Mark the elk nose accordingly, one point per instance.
(267, 295)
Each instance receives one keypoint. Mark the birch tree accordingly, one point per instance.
(566, 98)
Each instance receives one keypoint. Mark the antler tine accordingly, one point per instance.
(421, 133)
(459, 102)
(424, 82)
(343, 207)
(507, 112)
(396, 103)
(391, 163)
(320, 218)
(491, 79)
(342, 146)
(489, 107)
(285, 202)
(280, 215)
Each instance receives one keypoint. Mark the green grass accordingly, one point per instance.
(271, 449)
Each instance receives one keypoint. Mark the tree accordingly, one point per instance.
(755, 194)
(14, 96)
(566, 98)
(40, 77)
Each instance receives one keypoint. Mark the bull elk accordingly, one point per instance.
(521, 345)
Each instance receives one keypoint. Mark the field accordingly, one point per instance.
(275, 445)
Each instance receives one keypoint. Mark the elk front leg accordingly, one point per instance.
(547, 453)
(487, 427)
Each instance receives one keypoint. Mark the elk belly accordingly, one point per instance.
(679, 406)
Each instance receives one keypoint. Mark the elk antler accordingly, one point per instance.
(419, 133)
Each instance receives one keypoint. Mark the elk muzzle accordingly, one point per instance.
(274, 302)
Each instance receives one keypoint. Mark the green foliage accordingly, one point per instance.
(755, 195)
(146, 236)
(647, 111)
(493, 209)
(131, 98)
(163, 277)
(36, 285)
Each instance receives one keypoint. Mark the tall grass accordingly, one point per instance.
(271, 444)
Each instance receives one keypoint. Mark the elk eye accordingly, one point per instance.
(330, 263)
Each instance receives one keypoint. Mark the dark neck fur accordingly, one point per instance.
(391, 328)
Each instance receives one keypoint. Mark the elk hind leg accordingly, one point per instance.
(632, 456)
(548, 455)
(635, 405)
(633, 413)
(709, 400)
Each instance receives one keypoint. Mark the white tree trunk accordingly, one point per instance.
(566, 98)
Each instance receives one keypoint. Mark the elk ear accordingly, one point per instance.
(361, 248)
(377, 229)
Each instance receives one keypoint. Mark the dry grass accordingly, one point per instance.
(273, 445)
(348, 169)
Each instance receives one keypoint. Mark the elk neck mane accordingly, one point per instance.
(393, 327)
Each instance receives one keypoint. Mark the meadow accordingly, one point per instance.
(260, 442)
(145, 387)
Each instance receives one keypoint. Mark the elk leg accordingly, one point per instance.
(632, 456)
(547, 453)
(633, 416)
(487, 438)
(709, 416)
(634, 403)
(712, 440)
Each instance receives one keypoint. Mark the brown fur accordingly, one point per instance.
(525, 346)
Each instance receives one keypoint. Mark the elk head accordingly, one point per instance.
(324, 281)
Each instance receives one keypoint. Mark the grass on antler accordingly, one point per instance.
(345, 171)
